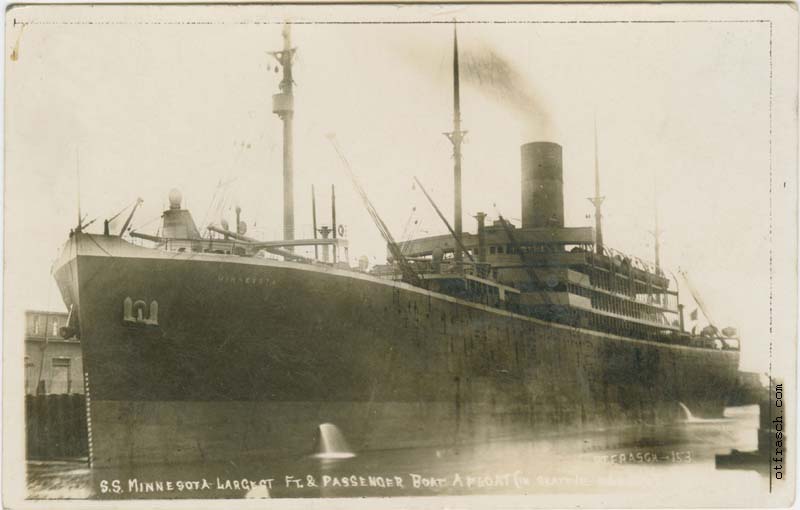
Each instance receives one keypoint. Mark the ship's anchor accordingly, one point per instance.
(138, 313)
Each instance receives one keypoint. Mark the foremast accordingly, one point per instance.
(283, 107)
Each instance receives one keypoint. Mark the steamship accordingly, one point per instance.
(216, 346)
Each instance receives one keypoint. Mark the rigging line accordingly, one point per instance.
(91, 278)
(211, 204)
(148, 222)
(406, 235)
(413, 234)
(408, 272)
(459, 244)
(101, 248)
(120, 212)
(417, 227)
(224, 203)
(218, 199)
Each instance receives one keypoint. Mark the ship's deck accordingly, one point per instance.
(93, 245)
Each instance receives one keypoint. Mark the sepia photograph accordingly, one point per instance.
(409, 255)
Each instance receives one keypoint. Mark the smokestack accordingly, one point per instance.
(542, 185)
(283, 107)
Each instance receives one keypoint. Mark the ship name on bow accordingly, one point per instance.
(244, 280)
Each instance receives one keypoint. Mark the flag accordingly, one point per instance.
(693, 315)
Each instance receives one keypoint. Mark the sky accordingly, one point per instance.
(141, 101)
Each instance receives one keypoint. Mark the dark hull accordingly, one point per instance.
(250, 356)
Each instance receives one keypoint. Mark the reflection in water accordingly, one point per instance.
(688, 414)
(332, 444)
(674, 461)
(690, 418)
(59, 480)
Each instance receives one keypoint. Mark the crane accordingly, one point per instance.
(698, 300)
(408, 272)
(130, 216)
(453, 233)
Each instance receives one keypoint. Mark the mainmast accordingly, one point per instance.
(597, 200)
(283, 107)
(456, 137)
(656, 230)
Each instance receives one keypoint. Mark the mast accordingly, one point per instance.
(597, 200)
(333, 222)
(283, 107)
(78, 186)
(656, 229)
(656, 236)
(314, 220)
(456, 137)
(452, 232)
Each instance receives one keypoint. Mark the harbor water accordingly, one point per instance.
(626, 466)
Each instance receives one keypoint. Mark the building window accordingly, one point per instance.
(55, 328)
(35, 324)
(492, 250)
(62, 376)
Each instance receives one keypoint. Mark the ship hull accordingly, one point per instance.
(245, 358)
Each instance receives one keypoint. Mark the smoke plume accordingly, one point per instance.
(490, 73)
(484, 69)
